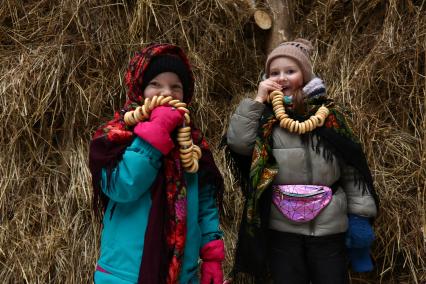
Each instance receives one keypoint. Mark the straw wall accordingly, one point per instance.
(61, 75)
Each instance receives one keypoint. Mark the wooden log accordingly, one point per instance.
(262, 19)
(282, 22)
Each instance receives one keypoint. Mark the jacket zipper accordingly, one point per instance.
(310, 181)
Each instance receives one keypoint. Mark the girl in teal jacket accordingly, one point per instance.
(158, 219)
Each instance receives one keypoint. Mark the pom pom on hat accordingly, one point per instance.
(299, 50)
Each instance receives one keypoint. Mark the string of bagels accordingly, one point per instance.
(294, 126)
(190, 153)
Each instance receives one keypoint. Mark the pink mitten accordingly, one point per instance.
(156, 131)
(212, 254)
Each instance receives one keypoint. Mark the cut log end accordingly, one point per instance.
(262, 19)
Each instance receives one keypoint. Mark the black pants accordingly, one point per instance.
(299, 259)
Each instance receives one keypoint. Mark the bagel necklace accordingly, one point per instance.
(190, 153)
(294, 126)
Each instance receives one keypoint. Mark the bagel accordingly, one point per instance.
(187, 118)
(193, 168)
(282, 123)
(146, 102)
(302, 127)
(153, 103)
(182, 139)
(315, 120)
(280, 115)
(173, 102)
(287, 122)
(166, 100)
(186, 150)
(160, 100)
(180, 105)
(292, 126)
(138, 115)
(184, 109)
(185, 156)
(277, 108)
(277, 100)
(296, 127)
(186, 135)
(130, 119)
(186, 143)
(187, 162)
(309, 125)
(185, 129)
(276, 92)
(198, 151)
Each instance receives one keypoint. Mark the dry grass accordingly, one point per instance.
(61, 70)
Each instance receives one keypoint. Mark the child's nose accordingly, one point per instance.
(166, 92)
(282, 77)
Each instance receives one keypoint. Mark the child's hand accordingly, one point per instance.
(156, 131)
(167, 117)
(212, 254)
(359, 237)
(265, 87)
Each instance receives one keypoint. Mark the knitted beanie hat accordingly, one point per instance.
(167, 63)
(299, 50)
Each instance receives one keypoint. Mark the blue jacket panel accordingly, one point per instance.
(126, 216)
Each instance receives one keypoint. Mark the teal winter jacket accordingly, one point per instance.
(126, 217)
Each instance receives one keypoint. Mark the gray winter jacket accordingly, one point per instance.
(300, 164)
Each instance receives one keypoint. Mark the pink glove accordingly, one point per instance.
(212, 254)
(156, 131)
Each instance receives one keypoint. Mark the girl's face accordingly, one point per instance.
(286, 72)
(164, 84)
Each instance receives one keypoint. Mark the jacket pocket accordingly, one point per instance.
(123, 237)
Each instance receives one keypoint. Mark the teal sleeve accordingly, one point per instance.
(134, 174)
(208, 217)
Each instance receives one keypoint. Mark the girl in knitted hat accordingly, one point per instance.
(309, 195)
(160, 213)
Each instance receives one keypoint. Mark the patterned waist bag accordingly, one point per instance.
(301, 203)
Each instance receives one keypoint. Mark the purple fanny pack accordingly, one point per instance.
(301, 203)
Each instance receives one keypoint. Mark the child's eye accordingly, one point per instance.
(154, 84)
(177, 87)
(274, 73)
(291, 71)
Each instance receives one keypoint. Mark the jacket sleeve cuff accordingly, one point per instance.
(142, 147)
(362, 205)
